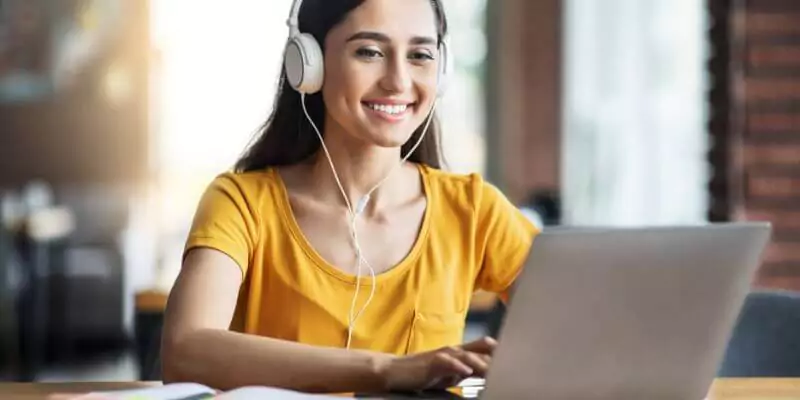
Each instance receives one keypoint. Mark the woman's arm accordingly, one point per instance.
(197, 346)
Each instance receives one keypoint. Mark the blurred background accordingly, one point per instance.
(116, 114)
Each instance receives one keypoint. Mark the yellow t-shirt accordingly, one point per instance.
(471, 238)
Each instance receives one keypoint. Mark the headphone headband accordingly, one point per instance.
(294, 17)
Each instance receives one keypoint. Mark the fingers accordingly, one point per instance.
(485, 345)
(448, 369)
(448, 382)
(452, 365)
(477, 364)
(448, 363)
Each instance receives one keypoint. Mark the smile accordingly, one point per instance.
(391, 112)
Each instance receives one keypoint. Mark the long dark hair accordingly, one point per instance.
(288, 138)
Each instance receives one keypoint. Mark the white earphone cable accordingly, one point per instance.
(325, 149)
(355, 232)
(353, 213)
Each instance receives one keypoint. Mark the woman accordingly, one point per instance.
(273, 289)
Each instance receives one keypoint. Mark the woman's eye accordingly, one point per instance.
(422, 56)
(368, 53)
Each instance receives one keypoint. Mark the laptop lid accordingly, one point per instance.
(625, 313)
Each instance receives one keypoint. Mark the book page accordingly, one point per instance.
(175, 391)
(268, 393)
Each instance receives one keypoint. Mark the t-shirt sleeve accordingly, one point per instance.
(504, 239)
(224, 221)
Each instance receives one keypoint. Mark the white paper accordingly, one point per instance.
(173, 391)
(261, 392)
(469, 382)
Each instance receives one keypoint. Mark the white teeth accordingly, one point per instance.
(393, 110)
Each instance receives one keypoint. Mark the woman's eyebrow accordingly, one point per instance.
(383, 38)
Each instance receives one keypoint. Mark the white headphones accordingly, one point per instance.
(304, 61)
(305, 72)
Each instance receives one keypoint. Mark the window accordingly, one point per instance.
(463, 111)
(634, 120)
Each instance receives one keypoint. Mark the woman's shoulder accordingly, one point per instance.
(246, 182)
(246, 189)
(450, 179)
(469, 189)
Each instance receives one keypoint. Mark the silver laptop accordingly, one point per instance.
(625, 313)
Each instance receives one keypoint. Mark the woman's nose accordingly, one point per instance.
(397, 77)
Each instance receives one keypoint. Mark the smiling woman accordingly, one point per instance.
(210, 96)
(344, 178)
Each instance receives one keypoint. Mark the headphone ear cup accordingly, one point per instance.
(445, 70)
(304, 64)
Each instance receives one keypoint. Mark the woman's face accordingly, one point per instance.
(380, 70)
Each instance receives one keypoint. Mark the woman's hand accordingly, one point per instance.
(441, 368)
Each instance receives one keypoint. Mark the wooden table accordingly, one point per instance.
(722, 389)
(755, 389)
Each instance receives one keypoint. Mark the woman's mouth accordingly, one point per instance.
(389, 112)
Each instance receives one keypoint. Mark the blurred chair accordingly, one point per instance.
(150, 363)
(766, 339)
(149, 321)
(8, 314)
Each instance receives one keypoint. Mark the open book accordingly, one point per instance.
(194, 391)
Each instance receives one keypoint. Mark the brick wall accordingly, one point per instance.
(765, 87)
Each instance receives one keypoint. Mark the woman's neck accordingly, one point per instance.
(359, 168)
